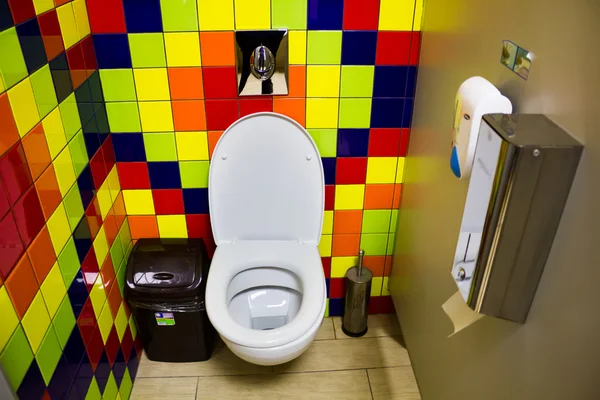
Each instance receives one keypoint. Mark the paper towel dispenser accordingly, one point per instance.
(522, 173)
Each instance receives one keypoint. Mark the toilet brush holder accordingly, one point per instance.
(358, 292)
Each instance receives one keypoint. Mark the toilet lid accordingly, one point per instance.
(266, 182)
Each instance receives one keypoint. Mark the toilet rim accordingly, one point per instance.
(224, 267)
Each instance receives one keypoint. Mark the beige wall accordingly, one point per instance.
(556, 353)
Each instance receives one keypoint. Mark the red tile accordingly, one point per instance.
(381, 305)
(106, 16)
(108, 152)
(11, 247)
(112, 346)
(94, 217)
(404, 137)
(127, 344)
(133, 175)
(361, 15)
(9, 135)
(22, 10)
(168, 201)
(98, 169)
(393, 48)
(90, 269)
(198, 225)
(94, 348)
(114, 300)
(329, 197)
(22, 286)
(87, 322)
(51, 34)
(58, 3)
(220, 114)
(337, 288)
(14, 172)
(4, 204)
(41, 254)
(76, 65)
(29, 216)
(351, 170)
(219, 82)
(326, 261)
(108, 275)
(415, 48)
(48, 191)
(89, 54)
(384, 142)
(251, 106)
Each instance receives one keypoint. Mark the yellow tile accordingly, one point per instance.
(55, 132)
(376, 286)
(400, 170)
(172, 226)
(381, 169)
(192, 146)
(23, 105)
(68, 26)
(105, 323)
(396, 15)
(215, 15)
(151, 84)
(418, 15)
(321, 112)
(101, 246)
(327, 223)
(138, 202)
(252, 14)
(42, 6)
(323, 80)
(325, 245)
(114, 186)
(104, 199)
(98, 296)
(53, 289)
(59, 229)
(65, 173)
(297, 47)
(8, 316)
(349, 197)
(156, 116)
(339, 265)
(385, 289)
(2, 87)
(81, 18)
(183, 49)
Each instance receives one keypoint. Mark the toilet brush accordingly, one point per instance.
(358, 292)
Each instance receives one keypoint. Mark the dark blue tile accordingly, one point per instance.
(101, 120)
(33, 384)
(327, 286)
(92, 143)
(83, 93)
(61, 77)
(119, 367)
(84, 376)
(96, 87)
(195, 201)
(6, 20)
(133, 363)
(129, 147)
(359, 47)
(74, 394)
(387, 113)
(102, 371)
(163, 175)
(142, 16)
(353, 143)
(82, 236)
(87, 190)
(74, 351)
(77, 293)
(32, 44)
(336, 307)
(112, 51)
(61, 381)
(329, 170)
(325, 14)
(407, 114)
(390, 81)
(411, 81)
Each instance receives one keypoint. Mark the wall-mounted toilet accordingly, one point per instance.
(265, 293)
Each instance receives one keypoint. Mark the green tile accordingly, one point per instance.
(111, 390)
(179, 15)
(68, 262)
(43, 90)
(324, 47)
(16, 358)
(93, 392)
(160, 146)
(326, 141)
(36, 322)
(376, 221)
(63, 322)
(355, 113)
(118, 85)
(8, 317)
(12, 63)
(394, 221)
(53, 290)
(147, 50)
(116, 253)
(125, 236)
(126, 386)
(374, 244)
(121, 276)
(121, 322)
(48, 355)
(289, 14)
(78, 153)
(133, 327)
(73, 206)
(194, 174)
(391, 243)
(123, 117)
(357, 80)
(65, 173)
(70, 116)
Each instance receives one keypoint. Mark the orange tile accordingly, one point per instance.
(347, 221)
(114, 300)
(143, 226)
(22, 286)
(213, 138)
(189, 115)
(110, 227)
(41, 253)
(48, 191)
(297, 80)
(293, 108)
(119, 210)
(375, 263)
(397, 196)
(379, 196)
(217, 49)
(388, 265)
(8, 128)
(36, 151)
(108, 275)
(186, 83)
(345, 245)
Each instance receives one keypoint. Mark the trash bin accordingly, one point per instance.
(166, 283)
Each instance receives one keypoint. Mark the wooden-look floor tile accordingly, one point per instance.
(379, 325)
(346, 385)
(164, 388)
(326, 330)
(331, 355)
(397, 383)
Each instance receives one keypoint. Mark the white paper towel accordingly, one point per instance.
(459, 313)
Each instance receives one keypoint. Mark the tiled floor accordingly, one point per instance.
(335, 366)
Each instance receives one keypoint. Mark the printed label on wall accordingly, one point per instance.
(164, 319)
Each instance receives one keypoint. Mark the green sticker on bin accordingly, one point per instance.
(164, 319)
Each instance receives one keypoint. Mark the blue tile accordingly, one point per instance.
(387, 113)
(329, 170)
(327, 286)
(78, 294)
(87, 190)
(74, 351)
(133, 363)
(102, 371)
(61, 380)
(119, 367)
(33, 384)
(61, 77)
(84, 376)
(142, 16)
(195, 201)
(163, 175)
(359, 47)
(390, 81)
(129, 147)
(336, 307)
(32, 45)
(92, 143)
(407, 114)
(325, 14)
(82, 236)
(96, 87)
(411, 81)
(112, 51)
(74, 394)
(6, 20)
(101, 120)
(353, 143)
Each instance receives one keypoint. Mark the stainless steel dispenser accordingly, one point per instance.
(523, 169)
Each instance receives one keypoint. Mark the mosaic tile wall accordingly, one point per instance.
(168, 77)
(65, 331)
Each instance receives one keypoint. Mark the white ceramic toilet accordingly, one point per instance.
(265, 293)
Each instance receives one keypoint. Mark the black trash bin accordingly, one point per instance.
(166, 282)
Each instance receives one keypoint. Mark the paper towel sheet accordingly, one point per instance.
(459, 313)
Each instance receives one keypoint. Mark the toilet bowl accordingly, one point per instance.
(266, 292)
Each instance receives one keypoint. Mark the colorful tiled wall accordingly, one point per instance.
(65, 331)
(168, 76)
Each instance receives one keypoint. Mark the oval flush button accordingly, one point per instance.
(262, 63)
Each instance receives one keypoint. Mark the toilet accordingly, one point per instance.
(266, 292)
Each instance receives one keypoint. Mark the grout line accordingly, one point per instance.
(197, 381)
(369, 381)
(334, 330)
